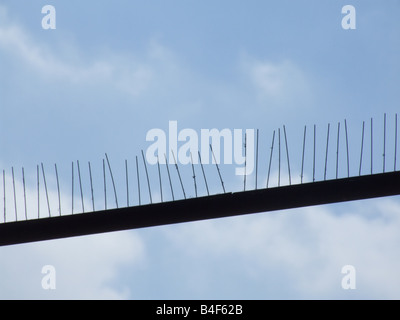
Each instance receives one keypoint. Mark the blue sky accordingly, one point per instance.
(111, 72)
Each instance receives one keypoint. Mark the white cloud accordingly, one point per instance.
(283, 84)
(302, 251)
(125, 73)
(86, 267)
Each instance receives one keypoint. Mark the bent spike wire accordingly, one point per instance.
(169, 177)
(204, 175)
(91, 185)
(270, 157)
(138, 180)
(287, 154)
(23, 183)
(127, 182)
(112, 180)
(177, 169)
(58, 190)
(245, 161)
(219, 173)
(80, 185)
(315, 130)
(147, 175)
(159, 178)
(362, 148)
(257, 160)
(20, 212)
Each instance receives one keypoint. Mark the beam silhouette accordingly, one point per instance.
(202, 208)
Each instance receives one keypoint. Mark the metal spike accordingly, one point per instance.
(112, 180)
(270, 158)
(287, 154)
(257, 159)
(314, 153)
(362, 147)
(72, 192)
(337, 151)
(58, 190)
(302, 157)
(15, 195)
(105, 185)
(326, 152)
(194, 175)
(147, 175)
(384, 141)
(372, 146)
(347, 148)
(169, 177)
(138, 180)
(204, 175)
(4, 194)
(91, 184)
(159, 177)
(127, 182)
(219, 173)
(395, 142)
(245, 161)
(23, 183)
(177, 169)
(80, 185)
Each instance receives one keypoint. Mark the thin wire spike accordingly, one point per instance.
(159, 177)
(326, 151)
(15, 195)
(112, 180)
(384, 141)
(45, 188)
(372, 146)
(204, 175)
(80, 185)
(245, 161)
(127, 182)
(219, 173)
(23, 183)
(302, 157)
(58, 189)
(347, 148)
(287, 154)
(91, 184)
(395, 142)
(38, 194)
(177, 169)
(314, 153)
(147, 175)
(256, 159)
(169, 177)
(337, 151)
(279, 157)
(194, 175)
(72, 192)
(362, 147)
(105, 185)
(4, 194)
(270, 157)
(138, 180)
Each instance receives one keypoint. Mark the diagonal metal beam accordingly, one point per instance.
(202, 208)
